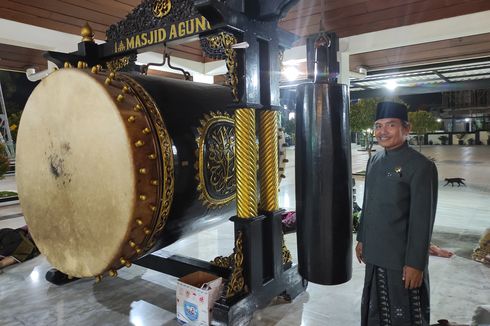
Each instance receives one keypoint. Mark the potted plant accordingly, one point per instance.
(444, 139)
(460, 138)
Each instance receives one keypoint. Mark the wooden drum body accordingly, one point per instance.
(111, 167)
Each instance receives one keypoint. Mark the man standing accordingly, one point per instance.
(400, 199)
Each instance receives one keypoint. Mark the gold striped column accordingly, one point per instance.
(246, 163)
(268, 165)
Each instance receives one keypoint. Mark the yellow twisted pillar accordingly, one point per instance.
(246, 163)
(268, 157)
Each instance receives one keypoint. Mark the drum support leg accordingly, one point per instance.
(58, 278)
(266, 273)
(179, 266)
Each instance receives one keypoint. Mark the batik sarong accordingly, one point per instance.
(386, 302)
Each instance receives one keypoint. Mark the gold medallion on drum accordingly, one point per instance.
(215, 164)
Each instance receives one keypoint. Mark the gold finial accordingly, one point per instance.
(87, 33)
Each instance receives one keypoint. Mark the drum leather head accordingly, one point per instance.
(75, 172)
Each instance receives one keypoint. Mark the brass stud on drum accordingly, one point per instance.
(125, 89)
(112, 75)
(146, 131)
(152, 156)
(122, 260)
(153, 208)
(137, 108)
(142, 171)
(154, 182)
(120, 98)
(67, 64)
(139, 143)
(131, 119)
(108, 81)
(142, 197)
(137, 249)
(98, 278)
(139, 222)
(131, 243)
(94, 70)
(146, 230)
(128, 264)
(112, 273)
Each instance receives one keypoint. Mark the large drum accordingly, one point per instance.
(111, 167)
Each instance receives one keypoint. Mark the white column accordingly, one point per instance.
(343, 58)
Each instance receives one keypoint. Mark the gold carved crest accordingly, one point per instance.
(161, 8)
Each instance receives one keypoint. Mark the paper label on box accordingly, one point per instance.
(191, 311)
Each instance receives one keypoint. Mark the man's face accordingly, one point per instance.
(390, 132)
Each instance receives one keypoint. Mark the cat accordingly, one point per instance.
(452, 181)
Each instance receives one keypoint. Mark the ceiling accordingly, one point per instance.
(350, 19)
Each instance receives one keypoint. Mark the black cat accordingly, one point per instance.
(452, 181)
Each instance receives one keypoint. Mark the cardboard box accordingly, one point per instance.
(196, 294)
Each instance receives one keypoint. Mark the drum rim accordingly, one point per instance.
(165, 158)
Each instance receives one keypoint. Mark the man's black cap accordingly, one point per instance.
(391, 110)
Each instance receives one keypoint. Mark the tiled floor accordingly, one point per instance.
(143, 297)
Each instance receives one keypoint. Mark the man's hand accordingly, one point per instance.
(7, 261)
(412, 277)
(359, 252)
